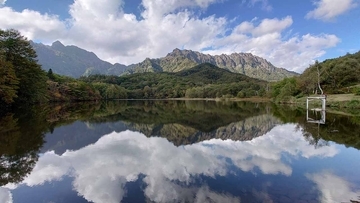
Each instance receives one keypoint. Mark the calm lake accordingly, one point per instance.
(178, 151)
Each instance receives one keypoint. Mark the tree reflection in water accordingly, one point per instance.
(18, 150)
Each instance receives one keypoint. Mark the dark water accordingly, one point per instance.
(177, 151)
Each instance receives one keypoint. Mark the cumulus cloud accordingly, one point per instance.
(121, 37)
(32, 24)
(105, 29)
(2, 2)
(333, 188)
(51, 167)
(122, 157)
(5, 195)
(330, 9)
(266, 39)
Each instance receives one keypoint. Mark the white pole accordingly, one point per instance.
(307, 103)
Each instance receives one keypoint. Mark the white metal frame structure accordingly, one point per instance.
(322, 110)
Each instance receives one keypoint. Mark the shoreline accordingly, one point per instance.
(346, 104)
(251, 99)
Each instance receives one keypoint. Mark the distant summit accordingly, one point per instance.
(244, 63)
(57, 45)
(73, 61)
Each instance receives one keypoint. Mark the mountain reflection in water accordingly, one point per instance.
(136, 152)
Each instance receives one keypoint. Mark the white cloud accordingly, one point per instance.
(268, 26)
(105, 29)
(264, 4)
(266, 40)
(333, 189)
(177, 193)
(2, 2)
(5, 195)
(32, 24)
(51, 167)
(121, 157)
(159, 8)
(95, 9)
(329, 9)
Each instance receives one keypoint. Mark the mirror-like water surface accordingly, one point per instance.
(177, 151)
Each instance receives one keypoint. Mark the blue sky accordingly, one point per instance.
(290, 34)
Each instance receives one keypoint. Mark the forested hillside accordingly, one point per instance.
(202, 81)
(23, 82)
(336, 76)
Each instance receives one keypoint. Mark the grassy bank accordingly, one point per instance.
(339, 103)
(337, 100)
(251, 99)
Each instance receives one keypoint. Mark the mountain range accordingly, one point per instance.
(75, 62)
(244, 63)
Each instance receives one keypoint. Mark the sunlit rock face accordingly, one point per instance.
(101, 170)
(245, 63)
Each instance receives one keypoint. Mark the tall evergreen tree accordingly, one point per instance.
(17, 50)
(50, 74)
(8, 82)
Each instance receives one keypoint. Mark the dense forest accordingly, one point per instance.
(335, 76)
(202, 81)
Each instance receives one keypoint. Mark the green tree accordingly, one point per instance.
(115, 92)
(50, 74)
(147, 92)
(284, 90)
(335, 75)
(17, 50)
(8, 82)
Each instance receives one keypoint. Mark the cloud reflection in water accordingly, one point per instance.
(333, 188)
(102, 169)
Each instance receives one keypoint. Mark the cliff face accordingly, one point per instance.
(244, 63)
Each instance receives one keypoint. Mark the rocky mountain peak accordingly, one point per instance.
(57, 44)
(176, 51)
(245, 63)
